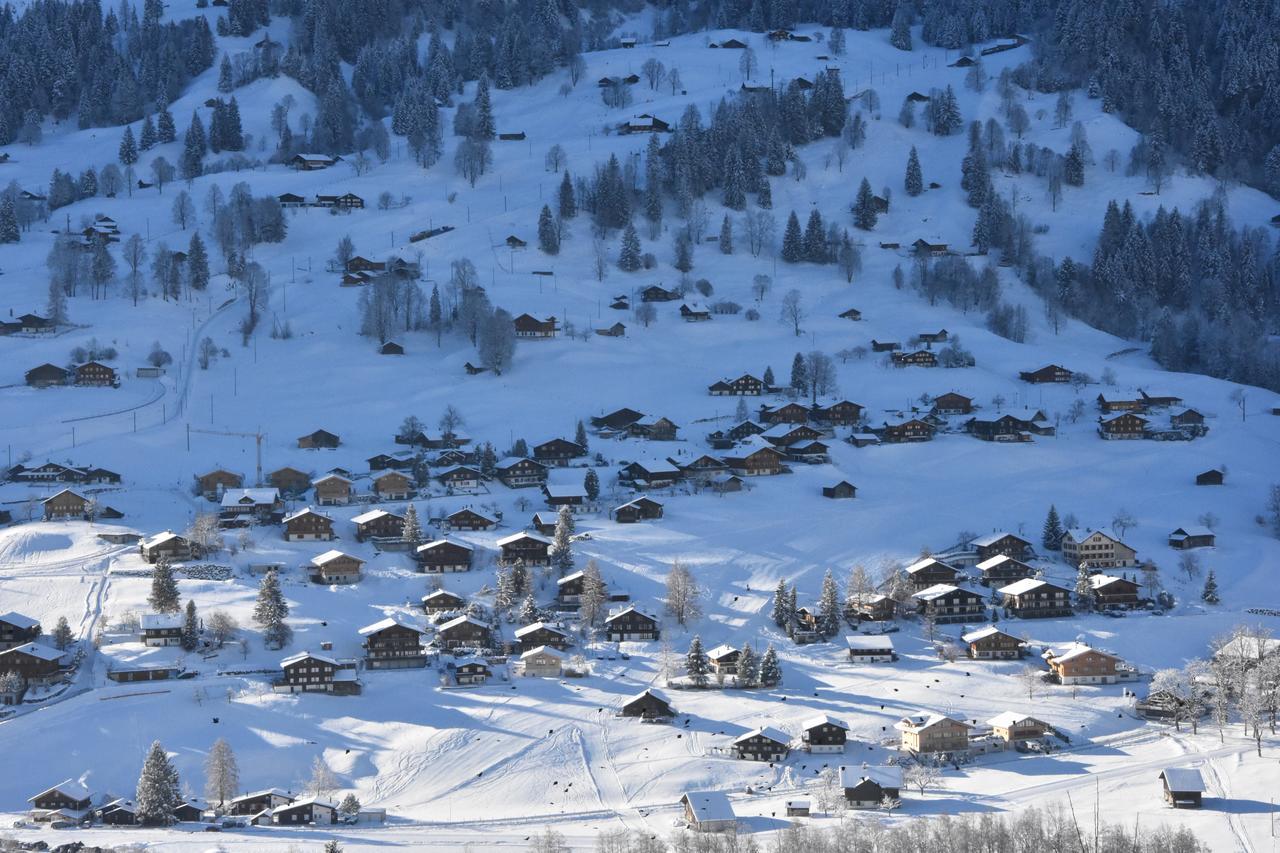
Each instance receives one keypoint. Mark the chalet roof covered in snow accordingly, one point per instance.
(393, 620)
(709, 806)
(161, 621)
(1184, 780)
(869, 642)
(257, 497)
(771, 733)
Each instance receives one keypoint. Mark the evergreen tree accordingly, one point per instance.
(1051, 537)
(799, 375)
(1073, 167)
(194, 147)
(548, 234)
(696, 665)
(128, 154)
(147, 139)
(158, 793)
(914, 183)
(726, 236)
(735, 196)
(829, 606)
(629, 256)
(770, 671)
(62, 636)
(528, 610)
(271, 610)
(9, 231)
(779, 614)
(412, 531)
(349, 807)
(190, 628)
(225, 81)
(748, 668)
(594, 601)
(164, 589)
(166, 130)
(768, 378)
(1210, 593)
(793, 240)
(562, 542)
(815, 239)
(221, 773)
(568, 203)
(505, 594)
(764, 196)
(864, 207)
(484, 126)
(580, 435)
(232, 132)
(197, 263)
(684, 251)
(1084, 588)
(900, 27)
(591, 484)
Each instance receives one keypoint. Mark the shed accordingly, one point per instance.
(1183, 787)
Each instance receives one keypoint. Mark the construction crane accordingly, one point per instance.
(256, 436)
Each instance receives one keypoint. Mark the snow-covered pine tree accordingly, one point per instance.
(595, 595)
(226, 81)
(62, 636)
(164, 589)
(900, 27)
(562, 542)
(793, 240)
(799, 375)
(740, 411)
(580, 435)
(591, 484)
(221, 773)
(548, 233)
(166, 130)
(128, 153)
(349, 807)
(1209, 595)
(815, 239)
(770, 671)
(9, 232)
(1051, 535)
(529, 612)
(194, 146)
(735, 196)
(779, 613)
(683, 251)
(768, 378)
(271, 610)
(566, 201)
(197, 263)
(914, 182)
(864, 207)
(829, 606)
(629, 256)
(190, 638)
(1084, 588)
(748, 668)
(696, 665)
(484, 127)
(157, 793)
(726, 236)
(411, 534)
(147, 136)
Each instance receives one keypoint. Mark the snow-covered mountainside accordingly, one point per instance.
(494, 764)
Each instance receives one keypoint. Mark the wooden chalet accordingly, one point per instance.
(630, 625)
(68, 798)
(394, 643)
(1212, 477)
(444, 556)
(468, 519)
(402, 461)
(641, 509)
(333, 490)
(321, 439)
(469, 672)
(1183, 787)
(658, 293)
(870, 607)
(97, 374)
(47, 375)
(1078, 663)
(335, 567)
(346, 201)
(952, 403)
(694, 313)
(259, 801)
(918, 358)
(788, 413)
(541, 634)
(763, 744)
(654, 429)
(517, 136)
(569, 590)
(558, 452)
(702, 468)
(162, 629)
(708, 811)
(824, 734)
(288, 200)
(617, 330)
(871, 787)
(1109, 406)
(928, 571)
(1014, 728)
(240, 507)
(306, 672)
(66, 505)
(841, 490)
(520, 473)
(167, 545)
(442, 601)
(1002, 569)
(1097, 549)
(305, 812)
(870, 648)
(909, 431)
(1034, 598)
(290, 481)
(1123, 426)
(723, 659)
(17, 630)
(1001, 544)
(616, 421)
(378, 524)
(1048, 373)
(885, 346)
(541, 662)
(391, 348)
(524, 548)
(308, 525)
(841, 413)
(990, 643)
(745, 385)
(1111, 593)
(215, 482)
(645, 123)
(529, 327)
(35, 662)
(933, 733)
(392, 486)
(786, 435)
(949, 604)
(1192, 536)
(755, 457)
(931, 338)
(1188, 419)
(312, 162)
(649, 704)
(462, 477)
(924, 247)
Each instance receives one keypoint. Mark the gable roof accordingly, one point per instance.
(393, 620)
(1028, 585)
(17, 620)
(866, 642)
(770, 732)
(983, 633)
(709, 805)
(331, 555)
(824, 720)
(1184, 779)
(516, 537)
(35, 650)
(67, 787)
